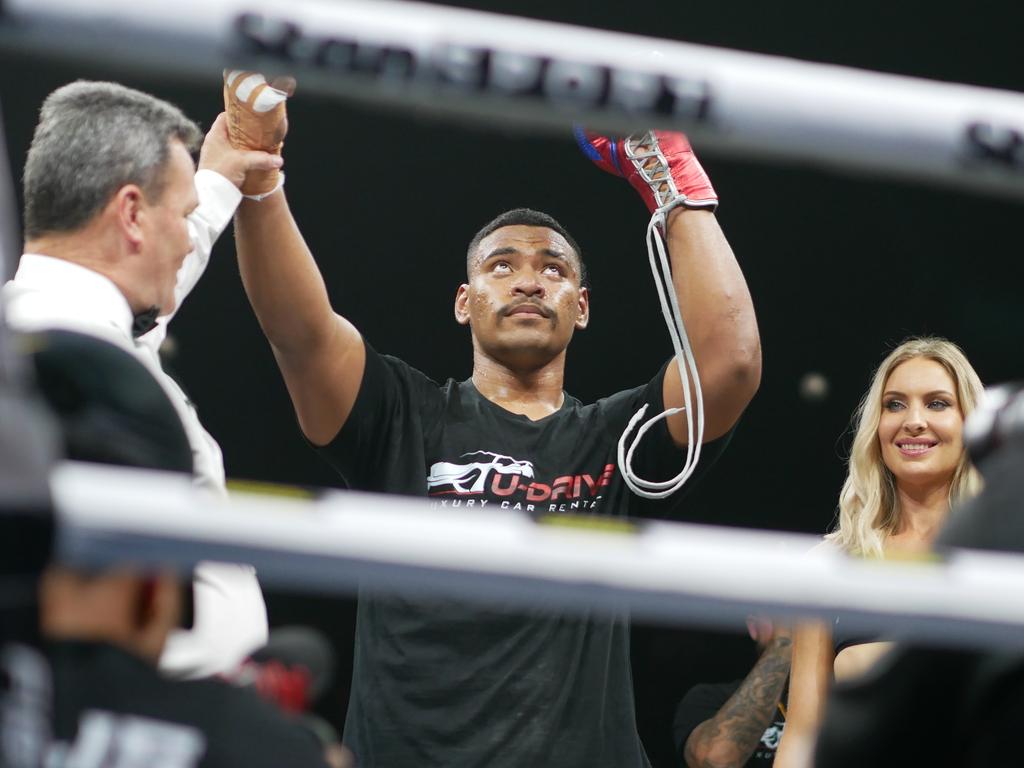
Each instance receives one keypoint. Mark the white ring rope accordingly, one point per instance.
(544, 74)
(693, 405)
(659, 571)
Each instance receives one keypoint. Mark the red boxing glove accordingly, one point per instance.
(660, 165)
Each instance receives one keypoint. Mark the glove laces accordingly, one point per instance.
(658, 176)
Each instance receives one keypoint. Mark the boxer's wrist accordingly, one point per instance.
(278, 186)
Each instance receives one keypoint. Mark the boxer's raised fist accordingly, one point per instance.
(257, 119)
(660, 165)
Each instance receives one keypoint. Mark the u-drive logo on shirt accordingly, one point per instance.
(493, 476)
(471, 477)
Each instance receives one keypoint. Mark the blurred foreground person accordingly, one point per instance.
(99, 699)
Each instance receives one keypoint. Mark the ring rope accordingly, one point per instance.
(660, 571)
(544, 74)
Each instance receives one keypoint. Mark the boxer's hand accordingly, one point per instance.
(236, 165)
(660, 165)
(257, 120)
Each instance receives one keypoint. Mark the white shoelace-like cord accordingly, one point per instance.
(687, 364)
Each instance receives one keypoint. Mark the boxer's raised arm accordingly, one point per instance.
(714, 301)
(719, 317)
(320, 353)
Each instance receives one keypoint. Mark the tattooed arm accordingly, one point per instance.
(729, 738)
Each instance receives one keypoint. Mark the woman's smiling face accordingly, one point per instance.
(920, 430)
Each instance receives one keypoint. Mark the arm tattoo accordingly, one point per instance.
(733, 733)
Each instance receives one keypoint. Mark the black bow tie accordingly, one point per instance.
(144, 321)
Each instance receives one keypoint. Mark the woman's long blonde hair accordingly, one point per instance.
(868, 504)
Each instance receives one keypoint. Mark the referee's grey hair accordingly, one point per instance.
(92, 139)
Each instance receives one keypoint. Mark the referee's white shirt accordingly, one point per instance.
(230, 616)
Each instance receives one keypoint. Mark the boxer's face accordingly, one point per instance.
(920, 431)
(523, 299)
(165, 224)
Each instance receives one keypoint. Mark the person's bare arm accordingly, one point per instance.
(719, 317)
(728, 739)
(811, 675)
(320, 353)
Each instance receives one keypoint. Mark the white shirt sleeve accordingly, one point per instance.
(217, 200)
(230, 623)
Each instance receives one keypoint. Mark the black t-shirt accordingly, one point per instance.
(702, 702)
(112, 709)
(449, 684)
(843, 637)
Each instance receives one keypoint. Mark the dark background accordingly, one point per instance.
(840, 269)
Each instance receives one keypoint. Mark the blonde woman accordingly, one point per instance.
(906, 468)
